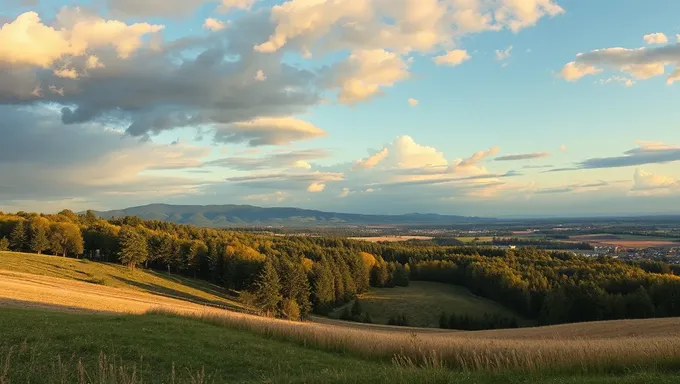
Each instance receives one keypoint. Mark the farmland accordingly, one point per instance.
(627, 241)
(391, 239)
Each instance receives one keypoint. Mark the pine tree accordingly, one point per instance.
(39, 241)
(17, 239)
(324, 288)
(295, 285)
(268, 289)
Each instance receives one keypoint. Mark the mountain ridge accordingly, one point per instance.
(233, 215)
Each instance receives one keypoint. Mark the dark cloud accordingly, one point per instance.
(651, 154)
(524, 156)
(192, 82)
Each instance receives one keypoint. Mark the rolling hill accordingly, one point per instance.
(247, 215)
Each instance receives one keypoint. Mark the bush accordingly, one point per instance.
(290, 310)
(400, 320)
(4, 244)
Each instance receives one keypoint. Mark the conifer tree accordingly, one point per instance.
(268, 290)
(324, 287)
(133, 247)
(17, 239)
(39, 241)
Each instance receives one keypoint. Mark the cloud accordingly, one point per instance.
(228, 5)
(372, 160)
(503, 54)
(478, 156)
(524, 156)
(26, 41)
(294, 159)
(574, 71)
(213, 24)
(645, 153)
(452, 58)
(640, 63)
(277, 197)
(401, 26)
(413, 102)
(618, 79)
(537, 166)
(647, 183)
(268, 131)
(573, 188)
(563, 148)
(316, 187)
(366, 72)
(655, 38)
(344, 193)
(260, 76)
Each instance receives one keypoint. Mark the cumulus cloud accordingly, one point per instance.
(655, 38)
(27, 41)
(344, 193)
(268, 131)
(647, 183)
(413, 102)
(366, 72)
(316, 187)
(574, 71)
(260, 76)
(524, 156)
(372, 160)
(452, 58)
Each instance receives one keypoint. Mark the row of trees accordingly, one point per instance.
(320, 273)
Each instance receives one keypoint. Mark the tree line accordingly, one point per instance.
(293, 276)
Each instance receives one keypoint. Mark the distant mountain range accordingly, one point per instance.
(219, 216)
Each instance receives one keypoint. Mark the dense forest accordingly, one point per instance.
(293, 276)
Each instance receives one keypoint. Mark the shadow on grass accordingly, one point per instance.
(174, 294)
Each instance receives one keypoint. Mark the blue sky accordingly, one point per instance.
(559, 107)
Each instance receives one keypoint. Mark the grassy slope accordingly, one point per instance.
(46, 348)
(118, 276)
(423, 302)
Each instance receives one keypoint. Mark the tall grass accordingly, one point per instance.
(20, 365)
(461, 352)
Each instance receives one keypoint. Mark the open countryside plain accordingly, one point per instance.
(588, 347)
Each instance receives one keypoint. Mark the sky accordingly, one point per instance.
(490, 108)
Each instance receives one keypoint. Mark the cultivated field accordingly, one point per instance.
(391, 239)
(627, 241)
(422, 302)
(471, 239)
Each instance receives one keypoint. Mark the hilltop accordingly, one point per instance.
(229, 215)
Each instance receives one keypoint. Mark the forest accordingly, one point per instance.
(294, 276)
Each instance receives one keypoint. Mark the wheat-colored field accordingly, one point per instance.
(391, 239)
(582, 347)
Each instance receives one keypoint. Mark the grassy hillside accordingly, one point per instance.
(423, 302)
(118, 276)
(50, 347)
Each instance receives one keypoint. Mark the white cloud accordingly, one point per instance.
(66, 73)
(655, 38)
(302, 164)
(453, 58)
(366, 72)
(413, 102)
(344, 193)
(93, 62)
(27, 41)
(647, 183)
(503, 54)
(213, 24)
(372, 160)
(574, 71)
(563, 148)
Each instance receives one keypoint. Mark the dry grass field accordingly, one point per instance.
(614, 346)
